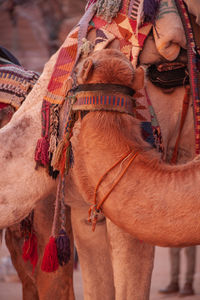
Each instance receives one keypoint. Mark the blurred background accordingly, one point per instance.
(33, 30)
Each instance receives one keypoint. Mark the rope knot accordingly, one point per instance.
(93, 215)
(95, 208)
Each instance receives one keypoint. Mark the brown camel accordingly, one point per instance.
(154, 202)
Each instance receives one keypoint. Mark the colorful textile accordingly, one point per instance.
(124, 29)
(120, 103)
(15, 84)
(57, 86)
(121, 27)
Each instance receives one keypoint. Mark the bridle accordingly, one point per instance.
(104, 96)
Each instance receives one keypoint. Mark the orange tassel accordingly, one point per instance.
(50, 258)
(64, 158)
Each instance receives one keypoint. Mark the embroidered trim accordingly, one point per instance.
(96, 101)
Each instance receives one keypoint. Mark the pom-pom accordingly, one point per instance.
(29, 251)
(50, 258)
(42, 151)
(63, 248)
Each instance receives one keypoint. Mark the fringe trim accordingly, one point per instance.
(107, 9)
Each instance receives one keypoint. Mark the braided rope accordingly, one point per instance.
(62, 203)
(96, 207)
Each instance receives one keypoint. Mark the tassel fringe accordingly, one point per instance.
(63, 248)
(50, 258)
(42, 151)
(29, 251)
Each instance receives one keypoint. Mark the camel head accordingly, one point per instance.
(109, 66)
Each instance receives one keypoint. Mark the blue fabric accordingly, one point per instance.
(147, 133)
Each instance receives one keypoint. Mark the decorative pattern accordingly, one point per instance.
(112, 102)
(15, 84)
(57, 86)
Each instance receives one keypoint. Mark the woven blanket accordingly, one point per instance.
(15, 84)
(123, 27)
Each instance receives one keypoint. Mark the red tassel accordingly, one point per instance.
(42, 151)
(50, 258)
(29, 251)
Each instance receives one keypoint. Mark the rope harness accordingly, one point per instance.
(104, 97)
(96, 208)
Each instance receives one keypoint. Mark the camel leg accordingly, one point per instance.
(24, 270)
(132, 262)
(94, 256)
(42, 285)
(56, 285)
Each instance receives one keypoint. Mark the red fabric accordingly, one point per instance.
(29, 251)
(50, 258)
(41, 151)
(2, 105)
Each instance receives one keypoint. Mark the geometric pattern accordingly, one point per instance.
(63, 68)
(122, 27)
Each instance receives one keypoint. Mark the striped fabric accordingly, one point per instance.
(15, 84)
(133, 9)
(92, 102)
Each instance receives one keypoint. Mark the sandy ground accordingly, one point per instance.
(160, 278)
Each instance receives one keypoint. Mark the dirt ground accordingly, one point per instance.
(160, 278)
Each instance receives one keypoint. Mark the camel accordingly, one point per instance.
(35, 283)
(173, 207)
